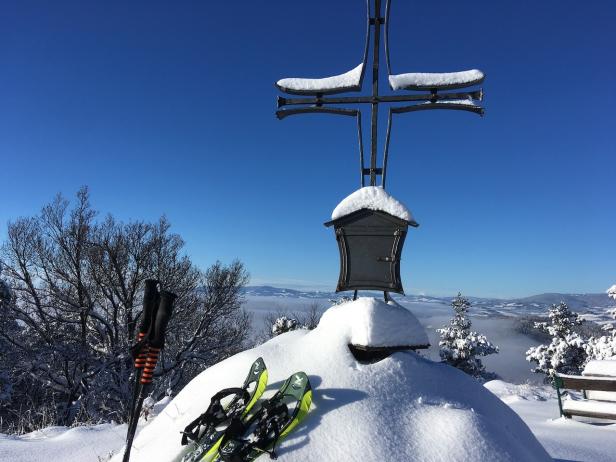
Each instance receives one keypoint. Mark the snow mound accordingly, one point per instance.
(403, 408)
(336, 82)
(373, 198)
(372, 322)
(432, 79)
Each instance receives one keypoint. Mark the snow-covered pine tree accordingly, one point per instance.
(566, 353)
(461, 347)
(611, 292)
(284, 324)
(604, 347)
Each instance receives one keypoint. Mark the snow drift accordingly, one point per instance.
(403, 408)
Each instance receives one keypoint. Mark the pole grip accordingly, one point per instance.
(150, 294)
(156, 338)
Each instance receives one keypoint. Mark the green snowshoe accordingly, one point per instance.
(204, 434)
(277, 417)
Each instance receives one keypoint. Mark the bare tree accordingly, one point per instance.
(76, 287)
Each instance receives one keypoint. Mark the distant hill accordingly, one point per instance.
(535, 304)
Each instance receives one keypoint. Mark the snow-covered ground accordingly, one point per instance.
(80, 444)
(567, 440)
(577, 440)
(403, 408)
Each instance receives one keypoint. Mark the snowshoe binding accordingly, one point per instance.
(229, 406)
(277, 417)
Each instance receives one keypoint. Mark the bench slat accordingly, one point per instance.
(576, 382)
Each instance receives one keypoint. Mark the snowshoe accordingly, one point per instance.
(204, 434)
(277, 417)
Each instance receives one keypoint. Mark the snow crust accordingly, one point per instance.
(605, 407)
(601, 368)
(373, 198)
(403, 408)
(348, 79)
(427, 79)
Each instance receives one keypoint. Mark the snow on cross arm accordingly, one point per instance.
(422, 80)
(373, 198)
(349, 79)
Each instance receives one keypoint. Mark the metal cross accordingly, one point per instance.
(317, 102)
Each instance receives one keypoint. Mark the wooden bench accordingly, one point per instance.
(603, 408)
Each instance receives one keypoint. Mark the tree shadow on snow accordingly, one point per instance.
(324, 400)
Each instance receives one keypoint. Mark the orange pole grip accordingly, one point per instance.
(150, 365)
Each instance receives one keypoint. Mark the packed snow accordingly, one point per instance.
(432, 79)
(348, 79)
(601, 368)
(589, 405)
(403, 408)
(373, 198)
(375, 323)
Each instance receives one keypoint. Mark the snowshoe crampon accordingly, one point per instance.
(204, 434)
(276, 418)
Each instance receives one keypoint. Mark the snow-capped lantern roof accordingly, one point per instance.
(373, 198)
(370, 227)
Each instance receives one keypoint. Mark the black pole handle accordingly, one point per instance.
(156, 337)
(150, 305)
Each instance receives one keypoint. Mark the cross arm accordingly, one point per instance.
(476, 95)
(282, 113)
(457, 106)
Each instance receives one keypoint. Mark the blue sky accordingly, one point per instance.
(168, 108)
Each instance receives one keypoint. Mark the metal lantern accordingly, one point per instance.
(370, 244)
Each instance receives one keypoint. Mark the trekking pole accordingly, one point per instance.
(156, 342)
(139, 350)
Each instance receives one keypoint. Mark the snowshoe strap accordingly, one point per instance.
(270, 418)
(215, 413)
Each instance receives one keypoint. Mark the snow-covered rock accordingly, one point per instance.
(403, 408)
(373, 198)
(434, 79)
(327, 84)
